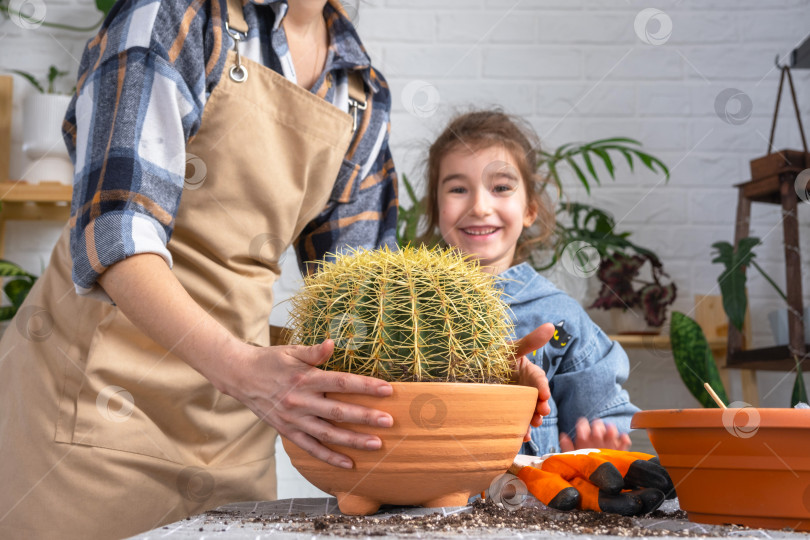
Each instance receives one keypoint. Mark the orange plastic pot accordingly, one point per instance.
(449, 441)
(746, 466)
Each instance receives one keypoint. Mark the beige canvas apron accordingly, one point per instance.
(103, 433)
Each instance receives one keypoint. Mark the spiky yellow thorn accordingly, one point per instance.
(416, 314)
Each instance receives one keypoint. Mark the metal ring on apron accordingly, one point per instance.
(239, 72)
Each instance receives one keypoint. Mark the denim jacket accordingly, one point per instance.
(585, 369)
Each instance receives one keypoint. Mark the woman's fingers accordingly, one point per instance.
(333, 381)
(348, 383)
(314, 448)
(282, 386)
(347, 413)
(314, 355)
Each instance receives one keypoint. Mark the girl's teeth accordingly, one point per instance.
(480, 233)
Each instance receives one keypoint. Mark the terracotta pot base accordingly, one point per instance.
(748, 466)
(754, 522)
(357, 505)
(449, 441)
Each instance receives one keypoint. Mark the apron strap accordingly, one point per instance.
(357, 89)
(235, 17)
(357, 96)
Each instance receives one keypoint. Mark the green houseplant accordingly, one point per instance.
(34, 20)
(434, 324)
(735, 300)
(48, 85)
(621, 263)
(691, 351)
(16, 288)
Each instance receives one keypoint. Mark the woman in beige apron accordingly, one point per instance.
(105, 431)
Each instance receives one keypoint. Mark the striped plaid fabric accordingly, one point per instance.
(142, 87)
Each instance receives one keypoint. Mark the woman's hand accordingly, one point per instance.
(279, 384)
(282, 386)
(529, 374)
(595, 435)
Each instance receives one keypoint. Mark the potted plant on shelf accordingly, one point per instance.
(690, 349)
(732, 285)
(43, 114)
(16, 289)
(637, 303)
(434, 324)
(37, 17)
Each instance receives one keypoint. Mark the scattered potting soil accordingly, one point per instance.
(483, 517)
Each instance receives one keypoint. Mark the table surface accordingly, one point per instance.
(250, 520)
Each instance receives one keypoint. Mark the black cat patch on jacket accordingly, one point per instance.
(561, 337)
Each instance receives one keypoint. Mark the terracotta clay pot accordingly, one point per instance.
(747, 466)
(449, 441)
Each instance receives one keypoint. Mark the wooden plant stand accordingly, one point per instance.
(773, 181)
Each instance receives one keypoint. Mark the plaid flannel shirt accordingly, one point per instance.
(142, 86)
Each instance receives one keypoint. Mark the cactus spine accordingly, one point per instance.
(416, 314)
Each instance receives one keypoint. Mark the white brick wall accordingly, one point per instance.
(577, 71)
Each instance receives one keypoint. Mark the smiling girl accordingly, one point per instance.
(485, 198)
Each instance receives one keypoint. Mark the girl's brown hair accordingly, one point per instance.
(481, 129)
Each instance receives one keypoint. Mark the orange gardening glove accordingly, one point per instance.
(614, 481)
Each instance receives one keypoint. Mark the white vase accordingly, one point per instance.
(779, 325)
(579, 287)
(43, 115)
(631, 321)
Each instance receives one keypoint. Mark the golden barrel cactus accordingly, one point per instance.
(416, 314)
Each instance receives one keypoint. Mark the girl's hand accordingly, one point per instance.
(282, 386)
(595, 435)
(529, 374)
